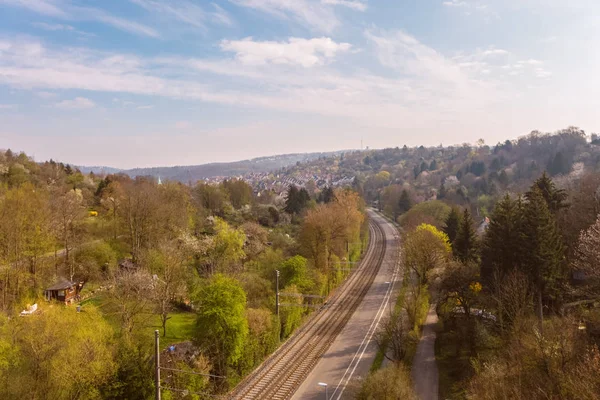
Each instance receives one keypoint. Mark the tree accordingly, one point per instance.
(460, 285)
(452, 225)
(390, 383)
(558, 165)
(555, 198)
(134, 377)
(94, 261)
(328, 229)
(503, 178)
(513, 297)
(477, 168)
(541, 248)
(296, 200)
(432, 212)
(263, 338)
(327, 195)
(111, 198)
(52, 339)
(221, 325)
(169, 267)
(226, 248)
(465, 243)
(240, 193)
(584, 198)
(500, 250)
(433, 166)
(291, 314)
(210, 197)
(294, 271)
(425, 249)
(405, 202)
(68, 211)
(25, 236)
(140, 213)
(131, 298)
(392, 337)
(587, 254)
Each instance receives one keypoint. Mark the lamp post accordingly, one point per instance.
(277, 292)
(156, 366)
(323, 384)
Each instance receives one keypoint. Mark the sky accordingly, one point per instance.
(137, 83)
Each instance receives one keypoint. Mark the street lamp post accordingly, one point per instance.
(277, 292)
(323, 384)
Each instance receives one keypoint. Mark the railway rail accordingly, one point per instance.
(283, 372)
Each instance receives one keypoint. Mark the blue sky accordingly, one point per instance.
(130, 83)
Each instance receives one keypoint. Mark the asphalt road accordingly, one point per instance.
(352, 353)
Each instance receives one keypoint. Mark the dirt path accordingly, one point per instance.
(424, 369)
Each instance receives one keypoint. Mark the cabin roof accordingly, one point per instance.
(62, 284)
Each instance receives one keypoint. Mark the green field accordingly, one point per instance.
(180, 326)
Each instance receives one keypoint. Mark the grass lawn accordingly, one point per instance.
(180, 326)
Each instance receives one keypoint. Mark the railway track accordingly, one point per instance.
(283, 372)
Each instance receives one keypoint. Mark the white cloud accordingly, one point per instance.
(542, 73)
(494, 52)
(476, 8)
(530, 62)
(148, 107)
(353, 4)
(53, 27)
(455, 3)
(296, 51)
(7, 106)
(221, 16)
(316, 15)
(121, 23)
(187, 12)
(75, 13)
(46, 95)
(405, 53)
(45, 7)
(78, 103)
(421, 84)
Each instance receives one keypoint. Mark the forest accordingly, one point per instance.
(195, 262)
(502, 242)
(515, 283)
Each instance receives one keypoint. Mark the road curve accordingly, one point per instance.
(315, 347)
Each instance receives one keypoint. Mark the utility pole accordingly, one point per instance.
(276, 293)
(157, 365)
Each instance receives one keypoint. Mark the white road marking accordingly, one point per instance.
(370, 332)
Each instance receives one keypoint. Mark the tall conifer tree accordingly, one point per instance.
(542, 250)
(500, 252)
(405, 203)
(452, 224)
(465, 244)
(556, 199)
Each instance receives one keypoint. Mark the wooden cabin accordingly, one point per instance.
(64, 291)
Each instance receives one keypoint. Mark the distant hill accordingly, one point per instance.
(194, 173)
(99, 170)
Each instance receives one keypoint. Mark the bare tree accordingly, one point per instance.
(587, 253)
(169, 282)
(131, 297)
(392, 337)
(67, 207)
(513, 298)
